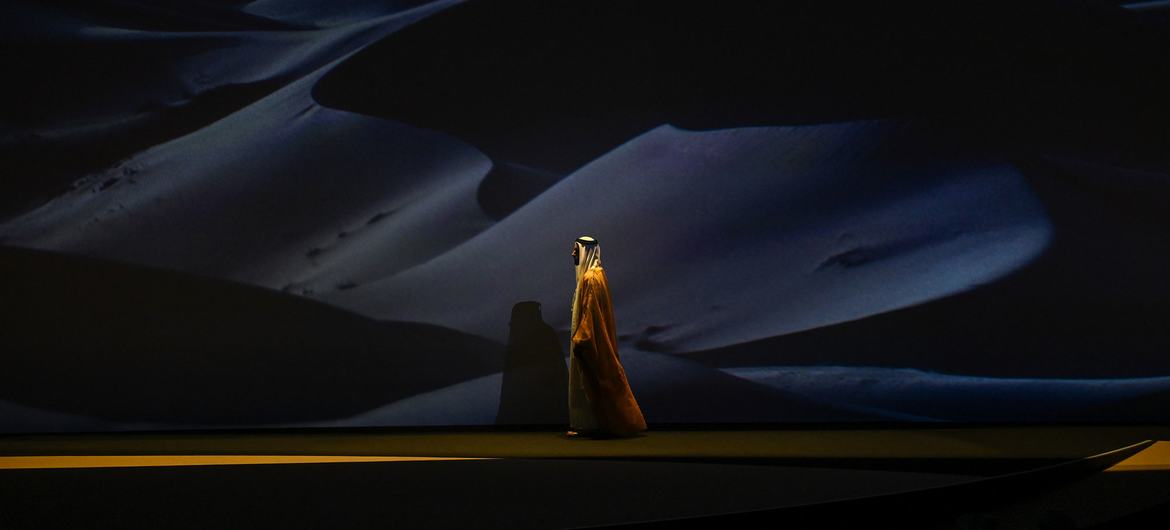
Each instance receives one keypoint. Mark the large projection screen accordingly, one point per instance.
(288, 213)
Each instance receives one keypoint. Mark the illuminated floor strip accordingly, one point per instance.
(1154, 458)
(87, 461)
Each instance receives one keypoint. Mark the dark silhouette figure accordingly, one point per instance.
(535, 377)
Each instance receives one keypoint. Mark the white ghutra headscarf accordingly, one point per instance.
(588, 257)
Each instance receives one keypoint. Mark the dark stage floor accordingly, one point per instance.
(987, 477)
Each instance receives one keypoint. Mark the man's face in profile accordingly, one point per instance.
(576, 255)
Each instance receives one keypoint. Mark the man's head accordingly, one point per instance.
(581, 244)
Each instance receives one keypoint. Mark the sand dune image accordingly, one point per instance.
(321, 214)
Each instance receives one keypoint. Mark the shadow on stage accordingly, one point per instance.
(534, 390)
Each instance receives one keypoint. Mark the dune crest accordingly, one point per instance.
(744, 226)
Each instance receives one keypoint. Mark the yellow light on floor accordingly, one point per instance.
(1155, 458)
(87, 461)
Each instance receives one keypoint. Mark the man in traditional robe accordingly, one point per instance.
(600, 399)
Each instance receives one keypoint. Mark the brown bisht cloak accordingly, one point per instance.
(594, 345)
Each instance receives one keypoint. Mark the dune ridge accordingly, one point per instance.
(690, 207)
(143, 86)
